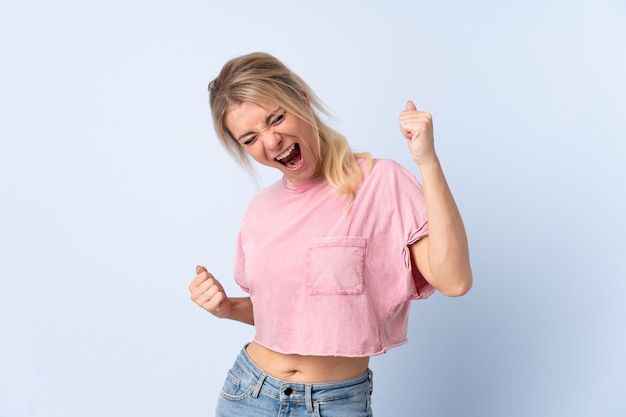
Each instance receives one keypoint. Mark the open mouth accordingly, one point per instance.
(291, 157)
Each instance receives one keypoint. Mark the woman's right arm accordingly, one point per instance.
(209, 294)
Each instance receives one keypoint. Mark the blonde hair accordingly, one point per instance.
(259, 77)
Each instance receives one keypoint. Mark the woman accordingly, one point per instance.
(331, 255)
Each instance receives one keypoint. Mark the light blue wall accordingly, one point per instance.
(113, 187)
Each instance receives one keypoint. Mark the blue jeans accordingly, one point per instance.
(248, 391)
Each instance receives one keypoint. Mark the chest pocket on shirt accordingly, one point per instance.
(335, 266)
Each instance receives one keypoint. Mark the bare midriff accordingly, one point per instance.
(306, 369)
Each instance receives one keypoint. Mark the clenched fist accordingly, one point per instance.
(417, 128)
(209, 294)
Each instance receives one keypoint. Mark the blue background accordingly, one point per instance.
(113, 187)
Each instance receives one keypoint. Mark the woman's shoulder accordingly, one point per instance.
(268, 193)
(384, 163)
(390, 174)
(386, 166)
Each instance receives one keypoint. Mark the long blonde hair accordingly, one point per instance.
(260, 77)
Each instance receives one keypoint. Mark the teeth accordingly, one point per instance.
(286, 153)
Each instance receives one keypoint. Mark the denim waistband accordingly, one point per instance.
(307, 393)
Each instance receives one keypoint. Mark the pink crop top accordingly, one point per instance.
(326, 281)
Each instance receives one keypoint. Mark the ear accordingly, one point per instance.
(306, 98)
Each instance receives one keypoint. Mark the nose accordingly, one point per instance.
(272, 140)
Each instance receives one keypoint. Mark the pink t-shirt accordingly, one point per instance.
(326, 281)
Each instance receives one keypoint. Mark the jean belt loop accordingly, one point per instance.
(257, 387)
(308, 397)
(371, 374)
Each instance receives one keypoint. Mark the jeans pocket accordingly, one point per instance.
(235, 387)
(355, 406)
(335, 266)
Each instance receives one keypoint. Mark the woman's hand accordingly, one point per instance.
(417, 128)
(209, 294)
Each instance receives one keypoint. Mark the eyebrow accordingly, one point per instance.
(268, 119)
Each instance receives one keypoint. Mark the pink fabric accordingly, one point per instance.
(326, 281)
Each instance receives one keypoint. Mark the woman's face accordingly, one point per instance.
(276, 139)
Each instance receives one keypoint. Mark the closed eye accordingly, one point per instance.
(250, 141)
(278, 119)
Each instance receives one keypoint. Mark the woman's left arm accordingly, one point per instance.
(443, 256)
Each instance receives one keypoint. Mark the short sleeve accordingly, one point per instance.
(410, 207)
(240, 266)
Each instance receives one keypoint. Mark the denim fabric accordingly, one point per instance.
(249, 392)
